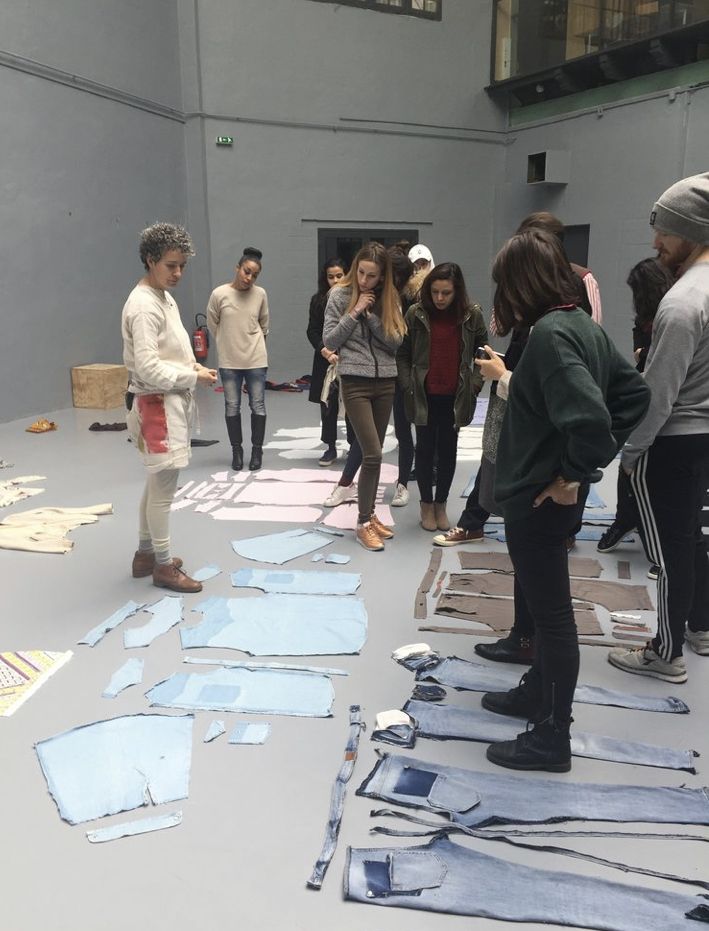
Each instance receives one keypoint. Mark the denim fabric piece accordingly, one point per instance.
(250, 734)
(474, 677)
(131, 828)
(445, 877)
(280, 547)
(97, 633)
(166, 614)
(281, 625)
(497, 532)
(130, 673)
(476, 799)
(111, 766)
(338, 559)
(298, 582)
(253, 664)
(318, 557)
(215, 729)
(206, 573)
(259, 691)
(594, 500)
(450, 722)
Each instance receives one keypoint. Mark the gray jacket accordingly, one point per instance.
(362, 345)
(677, 369)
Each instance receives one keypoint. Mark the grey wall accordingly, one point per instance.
(82, 169)
(622, 158)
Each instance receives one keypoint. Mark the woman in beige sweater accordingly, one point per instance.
(237, 316)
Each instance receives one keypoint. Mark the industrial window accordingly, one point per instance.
(427, 9)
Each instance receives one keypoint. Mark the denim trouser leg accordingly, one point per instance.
(328, 423)
(537, 547)
(233, 379)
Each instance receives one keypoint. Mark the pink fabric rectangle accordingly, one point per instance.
(259, 512)
(344, 517)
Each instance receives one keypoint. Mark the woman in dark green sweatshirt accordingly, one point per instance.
(573, 402)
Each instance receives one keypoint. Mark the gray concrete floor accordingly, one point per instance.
(254, 819)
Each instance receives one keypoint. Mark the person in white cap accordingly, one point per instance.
(421, 256)
(667, 456)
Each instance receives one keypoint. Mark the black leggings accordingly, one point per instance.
(437, 441)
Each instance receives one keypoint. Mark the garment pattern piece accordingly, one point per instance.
(166, 614)
(97, 633)
(438, 877)
(131, 828)
(12, 489)
(130, 673)
(498, 613)
(23, 672)
(501, 562)
(298, 582)
(44, 530)
(279, 548)
(248, 733)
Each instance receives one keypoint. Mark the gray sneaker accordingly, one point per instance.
(698, 640)
(645, 662)
(340, 494)
(401, 496)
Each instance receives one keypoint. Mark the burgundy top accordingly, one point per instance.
(444, 358)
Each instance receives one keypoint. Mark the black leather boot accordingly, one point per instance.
(546, 746)
(233, 427)
(513, 648)
(523, 701)
(258, 431)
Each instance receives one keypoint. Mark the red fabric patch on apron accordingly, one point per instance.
(153, 422)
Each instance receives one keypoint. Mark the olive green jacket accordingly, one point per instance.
(412, 362)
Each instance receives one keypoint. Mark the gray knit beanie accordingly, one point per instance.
(683, 209)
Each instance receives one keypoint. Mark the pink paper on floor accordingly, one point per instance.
(285, 493)
(344, 517)
(298, 475)
(258, 512)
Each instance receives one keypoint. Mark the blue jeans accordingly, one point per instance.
(233, 379)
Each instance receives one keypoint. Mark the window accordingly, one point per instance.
(427, 9)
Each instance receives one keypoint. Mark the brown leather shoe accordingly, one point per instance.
(175, 579)
(368, 537)
(144, 563)
(381, 530)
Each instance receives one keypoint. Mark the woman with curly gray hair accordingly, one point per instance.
(163, 374)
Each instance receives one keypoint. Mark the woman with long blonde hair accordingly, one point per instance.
(363, 329)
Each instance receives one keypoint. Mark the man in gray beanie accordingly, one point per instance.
(667, 457)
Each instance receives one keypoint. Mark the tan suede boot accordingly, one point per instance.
(428, 516)
(442, 522)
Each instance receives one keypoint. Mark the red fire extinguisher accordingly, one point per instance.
(200, 338)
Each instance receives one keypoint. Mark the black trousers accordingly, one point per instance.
(402, 430)
(474, 516)
(537, 548)
(436, 442)
(670, 482)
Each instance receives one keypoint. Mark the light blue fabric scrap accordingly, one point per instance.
(257, 691)
(338, 558)
(251, 664)
(130, 673)
(594, 500)
(131, 828)
(97, 633)
(116, 765)
(215, 729)
(206, 573)
(250, 734)
(298, 582)
(280, 547)
(318, 557)
(166, 614)
(281, 625)
(585, 533)
(471, 483)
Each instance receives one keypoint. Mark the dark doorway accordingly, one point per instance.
(576, 243)
(345, 243)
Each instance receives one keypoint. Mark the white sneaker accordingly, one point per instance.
(401, 496)
(340, 494)
(645, 662)
(698, 640)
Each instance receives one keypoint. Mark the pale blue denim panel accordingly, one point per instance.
(130, 673)
(250, 733)
(337, 799)
(318, 557)
(131, 828)
(254, 664)
(475, 677)
(445, 877)
(215, 729)
(281, 625)
(259, 691)
(111, 766)
(206, 572)
(339, 559)
(97, 633)
(497, 532)
(166, 614)
(477, 799)
(594, 500)
(444, 722)
(280, 547)
(297, 581)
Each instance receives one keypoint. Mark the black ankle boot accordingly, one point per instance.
(258, 431)
(233, 427)
(523, 701)
(514, 648)
(546, 746)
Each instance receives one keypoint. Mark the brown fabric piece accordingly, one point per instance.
(614, 596)
(500, 562)
(429, 577)
(623, 569)
(583, 641)
(498, 613)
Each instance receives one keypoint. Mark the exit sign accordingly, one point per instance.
(225, 140)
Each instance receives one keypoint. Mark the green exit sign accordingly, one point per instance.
(225, 140)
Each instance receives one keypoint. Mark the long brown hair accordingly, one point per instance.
(388, 300)
(532, 275)
(446, 271)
